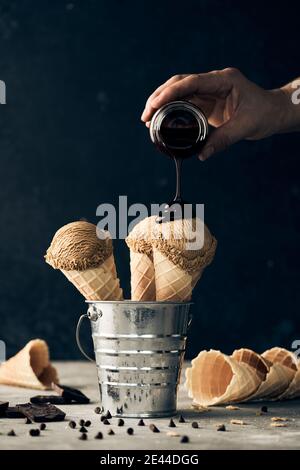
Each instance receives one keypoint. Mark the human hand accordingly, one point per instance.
(235, 106)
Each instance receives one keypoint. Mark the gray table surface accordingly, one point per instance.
(256, 434)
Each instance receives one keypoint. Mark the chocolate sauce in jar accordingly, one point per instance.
(178, 129)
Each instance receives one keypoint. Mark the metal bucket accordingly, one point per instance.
(139, 349)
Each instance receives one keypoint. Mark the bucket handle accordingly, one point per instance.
(93, 317)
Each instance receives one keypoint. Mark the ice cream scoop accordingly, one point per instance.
(84, 255)
(174, 255)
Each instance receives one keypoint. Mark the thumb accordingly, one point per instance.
(222, 138)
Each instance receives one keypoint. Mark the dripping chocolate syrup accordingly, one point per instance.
(179, 130)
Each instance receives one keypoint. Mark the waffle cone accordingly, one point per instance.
(293, 390)
(282, 370)
(172, 283)
(100, 283)
(254, 360)
(29, 368)
(216, 378)
(142, 277)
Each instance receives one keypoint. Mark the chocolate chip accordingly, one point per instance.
(43, 426)
(141, 423)
(82, 422)
(153, 428)
(108, 415)
(34, 432)
(195, 425)
(83, 429)
(120, 410)
(130, 431)
(99, 435)
(221, 427)
(264, 409)
(27, 421)
(184, 439)
(102, 418)
(111, 433)
(83, 436)
(172, 424)
(87, 423)
(72, 424)
(121, 422)
(97, 410)
(181, 419)
(105, 421)
(11, 433)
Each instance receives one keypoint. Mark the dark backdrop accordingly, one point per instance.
(77, 77)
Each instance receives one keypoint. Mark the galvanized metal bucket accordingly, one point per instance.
(139, 349)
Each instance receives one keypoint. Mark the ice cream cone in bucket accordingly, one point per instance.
(85, 256)
(141, 262)
(142, 276)
(180, 250)
(29, 368)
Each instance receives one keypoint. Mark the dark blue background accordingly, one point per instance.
(77, 77)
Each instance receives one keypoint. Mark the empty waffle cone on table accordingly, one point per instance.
(215, 378)
(84, 255)
(30, 367)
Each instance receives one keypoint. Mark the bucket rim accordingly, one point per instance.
(137, 302)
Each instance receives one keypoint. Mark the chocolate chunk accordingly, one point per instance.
(3, 407)
(110, 432)
(83, 436)
(130, 431)
(153, 428)
(108, 415)
(99, 435)
(195, 425)
(141, 422)
(105, 421)
(184, 439)
(34, 432)
(72, 424)
(97, 410)
(41, 413)
(70, 394)
(82, 422)
(121, 422)
(83, 429)
(264, 409)
(27, 421)
(43, 399)
(181, 419)
(221, 427)
(13, 412)
(87, 423)
(11, 433)
(172, 424)
(43, 426)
